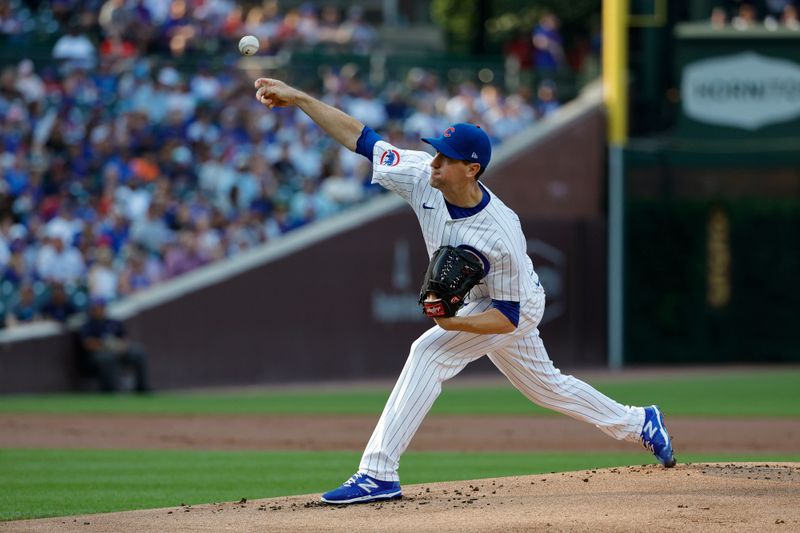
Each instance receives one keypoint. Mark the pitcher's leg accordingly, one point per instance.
(528, 367)
(435, 357)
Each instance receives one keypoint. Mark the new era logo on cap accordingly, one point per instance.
(465, 142)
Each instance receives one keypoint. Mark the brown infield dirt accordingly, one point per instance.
(700, 497)
(351, 432)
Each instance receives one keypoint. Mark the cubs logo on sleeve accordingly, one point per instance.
(390, 158)
(399, 170)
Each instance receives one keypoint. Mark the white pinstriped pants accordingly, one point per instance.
(438, 355)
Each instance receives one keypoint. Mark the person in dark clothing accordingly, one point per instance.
(25, 310)
(59, 307)
(108, 351)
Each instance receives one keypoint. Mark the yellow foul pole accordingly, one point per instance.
(615, 90)
(615, 68)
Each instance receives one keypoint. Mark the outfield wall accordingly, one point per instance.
(337, 299)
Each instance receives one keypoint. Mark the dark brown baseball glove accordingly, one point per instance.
(451, 274)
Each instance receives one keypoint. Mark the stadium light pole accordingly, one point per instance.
(615, 95)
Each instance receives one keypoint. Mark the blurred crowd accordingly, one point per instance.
(119, 171)
(745, 14)
(176, 27)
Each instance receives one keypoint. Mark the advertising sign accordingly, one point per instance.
(746, 90)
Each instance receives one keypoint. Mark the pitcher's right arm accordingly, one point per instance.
(343, 128)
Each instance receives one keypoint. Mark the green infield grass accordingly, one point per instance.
(41, 483)
(756, 394)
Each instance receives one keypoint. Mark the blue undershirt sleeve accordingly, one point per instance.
(510, 309)
(366, 142)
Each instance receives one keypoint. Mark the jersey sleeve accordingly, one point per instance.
(509, 309)
(366, 143)
(503, 280)
(399, 170)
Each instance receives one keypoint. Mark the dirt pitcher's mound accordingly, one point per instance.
(697, 497)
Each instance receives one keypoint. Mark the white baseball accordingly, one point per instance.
(248, 45)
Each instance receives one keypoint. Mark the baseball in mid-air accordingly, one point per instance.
(248, 45)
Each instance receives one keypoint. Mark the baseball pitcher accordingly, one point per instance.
(480, 290)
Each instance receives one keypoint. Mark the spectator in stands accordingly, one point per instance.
(546, 101)
(288, 30)
(746, 17)
(114, 17)
(74, 49)
(103, 280)
(10, 22)
(511, 117)
(461, 106)
(518, 53)
(790, 18)
(264, 23)
(114, 230)
(135, 275)
(423, 122)
(774, 11)
(151, 232)
(183, 255)
(25, 309)
(308, 205)
(5, 248)
(337, 188)
(719, 18)
(328, 31)
(363, 105)
(180, 30)
(28, 83)
(548, 49)
(15, 271)
(308, 25)
(209, 238)
(60, 262)
(65, 224)
(115, 46)
(232, 24)
(356, 32)
(207, 89)
(107, 352)
(59, 306)
(746, 14)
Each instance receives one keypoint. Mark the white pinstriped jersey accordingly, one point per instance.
(439, 354)
(494, 231)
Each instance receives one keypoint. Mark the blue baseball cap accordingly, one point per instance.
(466, 142)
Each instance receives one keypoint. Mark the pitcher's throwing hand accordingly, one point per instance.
(275, 93)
